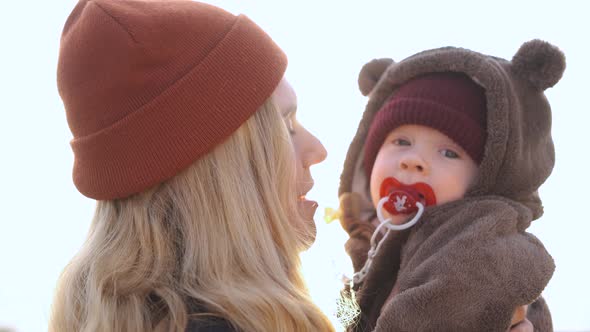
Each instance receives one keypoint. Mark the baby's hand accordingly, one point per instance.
(350, 217)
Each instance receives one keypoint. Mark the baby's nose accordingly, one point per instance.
(413, 162)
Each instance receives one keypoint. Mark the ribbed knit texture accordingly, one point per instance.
(449, 102)
(151, 86)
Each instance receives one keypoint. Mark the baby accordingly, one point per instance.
(446, 163)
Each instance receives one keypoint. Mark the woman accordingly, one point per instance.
(185, 134)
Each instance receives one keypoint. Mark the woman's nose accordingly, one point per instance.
(314, 152)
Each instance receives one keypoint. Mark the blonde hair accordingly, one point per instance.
(223, 234)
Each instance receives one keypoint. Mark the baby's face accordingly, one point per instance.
(415, 153)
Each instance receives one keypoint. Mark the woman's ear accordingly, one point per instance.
(370, 74)
(540, 63)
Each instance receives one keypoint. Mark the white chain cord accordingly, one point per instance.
(360, 275)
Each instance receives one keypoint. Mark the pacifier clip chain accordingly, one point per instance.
(358, 277)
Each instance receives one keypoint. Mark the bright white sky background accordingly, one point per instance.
(43, 219)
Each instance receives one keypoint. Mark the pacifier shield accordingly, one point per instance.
(401, 202)
(403, 198)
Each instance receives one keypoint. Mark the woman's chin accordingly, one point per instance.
(309, 235)
(307, 209)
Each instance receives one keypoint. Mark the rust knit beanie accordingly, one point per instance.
(449, 102)
(151, 86)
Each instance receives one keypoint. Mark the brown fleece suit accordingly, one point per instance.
(468, 264)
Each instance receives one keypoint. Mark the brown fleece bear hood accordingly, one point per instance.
(519, 153)
(467, 264)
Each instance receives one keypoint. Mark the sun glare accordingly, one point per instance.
(325, 265)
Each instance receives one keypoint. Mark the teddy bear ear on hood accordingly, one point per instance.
(540, 63)
(370, 74)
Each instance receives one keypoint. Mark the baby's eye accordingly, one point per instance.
(449, 154)
(401, 142)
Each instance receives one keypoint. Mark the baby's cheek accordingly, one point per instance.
(374, 187)
(450, 191)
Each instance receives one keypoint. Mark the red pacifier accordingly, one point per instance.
(403, 198)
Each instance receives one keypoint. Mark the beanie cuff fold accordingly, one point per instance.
(460, 128)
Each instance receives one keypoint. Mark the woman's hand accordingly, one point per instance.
(524, 326)
(519, 321)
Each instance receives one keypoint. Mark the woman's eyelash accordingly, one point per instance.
(290, 125)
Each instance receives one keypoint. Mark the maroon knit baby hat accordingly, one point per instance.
(151, 86)
(449, 102)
